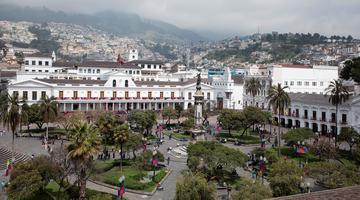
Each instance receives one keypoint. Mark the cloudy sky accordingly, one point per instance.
(230, 17)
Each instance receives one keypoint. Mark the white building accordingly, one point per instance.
(315, 112)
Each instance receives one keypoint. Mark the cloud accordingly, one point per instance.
(230, 16)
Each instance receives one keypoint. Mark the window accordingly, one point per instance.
(313, 83)
(114, 83)
(148, 66)
(130, 72)
(80, 70)
(208, 95)
(46, 63)
(46, 70)
(126, 83)
(306, 83)
(161, 94)
(25, 95)
(160, 66)
(114, 94)
(40, 62)
(102, 94)
(291, 82)
(43, 94)
(149, 94)
(61, 94)
(75, 94)
(89, 94)
(126, 94)
(138, 95)
(33, 70)
(138, 72)
(15, 93)
(314, 115)
(286, 83)
(33, 62)
(321, 83)
(142, 65)
(34, 95)
(172, 94)
(89, 71)
(189, 95)
(40, 70)
(26, 62)
(98, 71)
(343, 118)
(299, 83)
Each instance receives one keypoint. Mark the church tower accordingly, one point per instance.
(133, 54)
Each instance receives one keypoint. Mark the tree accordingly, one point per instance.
(29, 178)
(214, 160)
(84, 142)
(350, 136)
(143, 120)
(299, 134)
(48, 109)
(179, 109)
(279, 100)
(188, 124)
(252, 191)
(251, 116)
(121, 135)
(134, 143)
(106, 123)
(168, 113)
(338, 94)
(35, 116)
(68, 121)
(351, 70)
(324, 149)
(285, 178)
(26, 182)
(230, 119)
(12, 117)
(253, 86)
(24, 115)
(194, 187)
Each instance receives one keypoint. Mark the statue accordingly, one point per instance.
(198, 82)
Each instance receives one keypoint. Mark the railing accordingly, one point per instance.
(305, 117)
(313, 118)
(343, 122)
(332, 120)
(323, 119)
(118, 98)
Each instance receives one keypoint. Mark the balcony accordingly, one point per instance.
(112, 99)
(313, 118)
(332, 120)
(305, 117)
(344, 122)
(323, 119)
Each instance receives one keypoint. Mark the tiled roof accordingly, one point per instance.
(170, 83)
(147, 62)
(287, 65)
(107, 64)
(72, 81)
(314, 99)
(345, 193)
(238, 79)
(63, 64)
(7, 74)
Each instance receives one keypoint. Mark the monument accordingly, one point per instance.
(199, 101)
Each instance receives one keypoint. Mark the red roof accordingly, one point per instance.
(294, 65)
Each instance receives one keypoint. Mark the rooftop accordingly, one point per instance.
(314, 99)
(7, 74)
(345, 193)
(73, 81)
(147, 62)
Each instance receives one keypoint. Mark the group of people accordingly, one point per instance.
(106, 154)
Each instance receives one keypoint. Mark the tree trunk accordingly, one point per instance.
(82, 185)
(47, 132)
(13, 146)
(121, 156)
(278, 135)
(336, 124)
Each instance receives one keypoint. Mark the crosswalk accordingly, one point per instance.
(5, 154)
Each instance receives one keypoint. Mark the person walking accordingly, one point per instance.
(168, 160)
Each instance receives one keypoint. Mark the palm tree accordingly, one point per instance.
(253, 87)
(338, 95)
(279, 100)
(121, 135)
(84, 142)
(11, 117)
(48, 109)
(24, 114)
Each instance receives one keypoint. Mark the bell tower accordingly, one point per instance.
(133, 55)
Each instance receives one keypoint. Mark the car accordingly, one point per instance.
(223, 140)
(237, 142)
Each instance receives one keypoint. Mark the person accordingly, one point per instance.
(32, 156)
(168, 160)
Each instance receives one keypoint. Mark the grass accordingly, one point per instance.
(109, 172)
(52, 131)
(290, 153)
(178, 136)
(247, 138)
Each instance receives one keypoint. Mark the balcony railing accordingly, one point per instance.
(332, 120)
(117, 98)
(323, 119)
(305, 117)
(313, 118)
(343, 122)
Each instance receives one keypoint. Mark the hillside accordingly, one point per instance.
(122, 24)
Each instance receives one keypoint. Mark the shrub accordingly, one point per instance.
(251, 191)
(299, 134)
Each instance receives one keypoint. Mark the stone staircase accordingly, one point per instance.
(5, 154)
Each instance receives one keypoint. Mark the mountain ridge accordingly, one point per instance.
(119, 23)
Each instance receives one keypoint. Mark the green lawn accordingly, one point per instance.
(132, 175)
(178, 136)
(52, 131)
